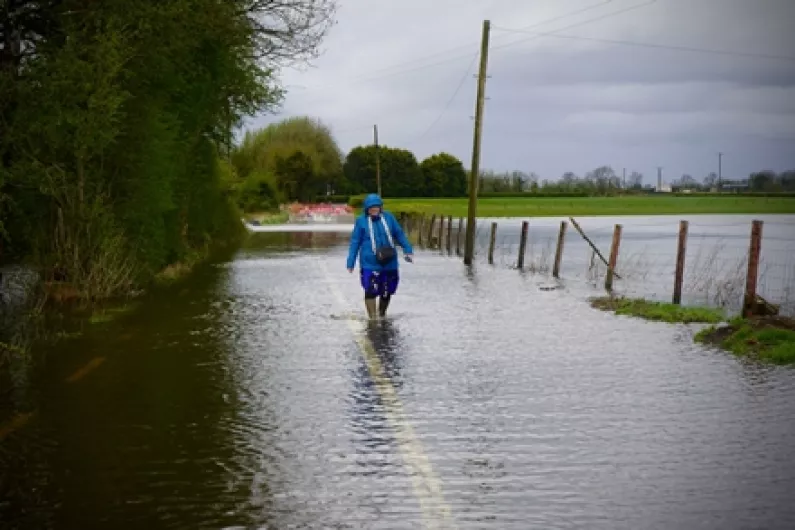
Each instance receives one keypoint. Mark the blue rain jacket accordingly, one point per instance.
(362, 245)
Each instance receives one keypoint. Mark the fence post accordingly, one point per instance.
(522, 246)
(429, 243)
(458, 236)
(749, 303)
(681, 251)
(420, 227)
(441, 233)
(449, 234)
(559, 249)
(492, 240)
(611, 266)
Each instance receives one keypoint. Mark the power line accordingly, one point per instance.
(576, 24)
(450, 101)
(655, 45)
(520, 41)
(466, 74)
(469, 55)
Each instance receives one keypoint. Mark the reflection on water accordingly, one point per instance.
(235, 399)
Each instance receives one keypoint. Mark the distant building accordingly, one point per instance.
(735, 185)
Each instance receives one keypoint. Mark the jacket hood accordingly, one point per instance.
(372, 200)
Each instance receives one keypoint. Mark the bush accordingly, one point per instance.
(258, 193)
(356, 201)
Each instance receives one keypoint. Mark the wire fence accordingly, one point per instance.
(715, 259)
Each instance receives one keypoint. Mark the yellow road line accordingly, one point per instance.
(16, 423)
(427, 486)
(92, 365)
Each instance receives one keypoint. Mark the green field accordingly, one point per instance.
(586, 206)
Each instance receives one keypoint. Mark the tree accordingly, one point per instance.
(763, 181)
(400, 173)
(635, 180)
(443, 176)
(603, 179)
(710, 180)
(300, 152)
(110, 146)
(687, 182)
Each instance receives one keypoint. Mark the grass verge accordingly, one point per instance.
(596, 206)
(657, 311)
(770, 339)
(268, 218)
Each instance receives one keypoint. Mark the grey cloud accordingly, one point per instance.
(555, 104)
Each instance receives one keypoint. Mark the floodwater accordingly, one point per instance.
(253, 395)
(716, 255)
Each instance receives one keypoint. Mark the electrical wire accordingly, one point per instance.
(655, 45)
(474, 56)
(466, 74)
(400, 72)
(449, 101)
(578, 24)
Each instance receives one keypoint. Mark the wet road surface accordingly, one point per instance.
(253, 395)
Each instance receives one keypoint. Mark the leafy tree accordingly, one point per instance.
(110, 147)
(400, 173)
(443, 176)
(300, 152)
(763, 181)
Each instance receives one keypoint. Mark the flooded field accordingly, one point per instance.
(715, 264)
(253, 395)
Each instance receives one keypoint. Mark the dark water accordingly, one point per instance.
(253, 396)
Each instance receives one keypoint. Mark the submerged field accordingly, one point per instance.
(565, 206)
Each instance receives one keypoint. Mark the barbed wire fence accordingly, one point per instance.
(716, 256)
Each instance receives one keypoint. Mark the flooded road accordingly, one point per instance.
(253, 395)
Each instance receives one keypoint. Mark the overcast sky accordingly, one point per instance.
(559, 104)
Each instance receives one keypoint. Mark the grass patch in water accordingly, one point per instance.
(269, 218)
(657, 311)
(770, 339)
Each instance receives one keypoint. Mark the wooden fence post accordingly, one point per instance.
(749, 303)
(458, 236)
(429, 243)
(522, 246)
(441, 233)
(681, 251)
(611, 266)
(420, 227)
(492, 241)
(559, 249)
(450, 234)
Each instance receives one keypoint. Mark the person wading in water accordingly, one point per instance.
(373, 239)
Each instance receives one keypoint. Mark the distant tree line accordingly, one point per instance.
(115, 123)
(297, 159)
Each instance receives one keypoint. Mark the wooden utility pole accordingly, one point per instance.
(377, 160)
(474, 175)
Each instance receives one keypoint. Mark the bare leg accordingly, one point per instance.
(369, 303)
(383, 303)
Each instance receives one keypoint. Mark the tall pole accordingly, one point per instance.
(474, 176)
(720, 169)
(624, 179)
(377, 160)
(659, 178)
